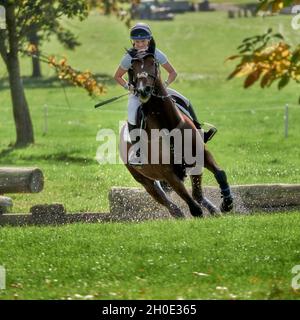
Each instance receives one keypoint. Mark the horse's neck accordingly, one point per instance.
(166, 107)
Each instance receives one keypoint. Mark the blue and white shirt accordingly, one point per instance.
(159, 56)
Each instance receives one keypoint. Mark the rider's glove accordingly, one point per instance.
(129, 87)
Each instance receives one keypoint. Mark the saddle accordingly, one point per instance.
(180, 104)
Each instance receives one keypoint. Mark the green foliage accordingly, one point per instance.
(262, 56)
(44, 17)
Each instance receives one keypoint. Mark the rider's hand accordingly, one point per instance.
(129, 87)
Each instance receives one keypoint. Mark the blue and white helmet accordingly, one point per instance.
(140, 31)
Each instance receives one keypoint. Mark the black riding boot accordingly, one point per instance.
(207, 134)
(134, 157)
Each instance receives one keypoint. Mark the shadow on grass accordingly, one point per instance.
(7, 158)
(5, 152)
(61, 157)
(53, 82)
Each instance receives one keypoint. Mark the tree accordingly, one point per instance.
(268, 57)
(36, 20)
(21, 15)
(37, 34)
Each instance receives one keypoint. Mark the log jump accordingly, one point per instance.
(247, 199)
(18, 180)
(134, 204)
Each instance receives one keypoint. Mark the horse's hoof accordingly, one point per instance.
(196, 211)
(227, 204)
(212, 209)
(176, 212)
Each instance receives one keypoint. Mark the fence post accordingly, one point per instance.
(286, 121)
(45, 119)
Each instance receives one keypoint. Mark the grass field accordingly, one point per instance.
(245, 257)
(251, 256)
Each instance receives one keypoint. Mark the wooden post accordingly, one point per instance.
(21, 180)
(230, 14)
(286, 121)
(45, 119)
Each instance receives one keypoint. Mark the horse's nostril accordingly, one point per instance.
(148, 89)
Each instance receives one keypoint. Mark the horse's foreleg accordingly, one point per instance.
(155, 190)
(181, 190)
(220, 175)
(198, 194)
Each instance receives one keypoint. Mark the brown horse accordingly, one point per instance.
(161, 113)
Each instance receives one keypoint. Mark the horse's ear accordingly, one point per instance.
(132, 52)
(151, 50)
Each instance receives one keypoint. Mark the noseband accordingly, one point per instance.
(146, 75)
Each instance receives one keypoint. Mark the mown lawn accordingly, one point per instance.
(234, 257)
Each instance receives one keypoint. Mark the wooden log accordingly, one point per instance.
(21, 180)
(5, 204)
(247, 198)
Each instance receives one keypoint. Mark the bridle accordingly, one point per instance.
(146, 75)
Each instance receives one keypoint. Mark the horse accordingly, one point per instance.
(161, 113)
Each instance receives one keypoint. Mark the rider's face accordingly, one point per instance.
(141, 44)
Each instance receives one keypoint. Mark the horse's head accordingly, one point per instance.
(145, 73)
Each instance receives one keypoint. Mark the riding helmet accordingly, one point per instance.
(140, 31)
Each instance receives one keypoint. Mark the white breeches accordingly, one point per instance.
(134, 103)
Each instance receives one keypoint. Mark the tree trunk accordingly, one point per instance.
(24, 128)
(36, 64)
(36, 67)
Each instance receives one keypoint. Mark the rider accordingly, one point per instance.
(142, 39)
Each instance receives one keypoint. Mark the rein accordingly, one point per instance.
(163, 97)
(145, 74)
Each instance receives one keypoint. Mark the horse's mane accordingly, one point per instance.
(135, 54)
(139, 55)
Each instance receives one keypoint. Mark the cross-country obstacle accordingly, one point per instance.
(18, 180)
(135, 205)
(247, 199)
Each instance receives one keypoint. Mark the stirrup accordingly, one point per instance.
(208, 135)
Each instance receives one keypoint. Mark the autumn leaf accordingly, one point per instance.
(266, 79)
(252, 77)
(31, 49)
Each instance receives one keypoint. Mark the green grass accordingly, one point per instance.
(249, 257)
